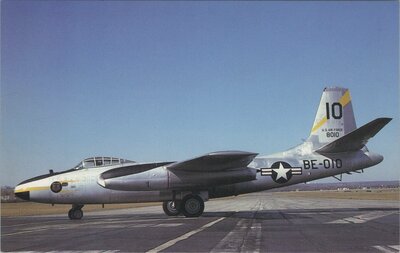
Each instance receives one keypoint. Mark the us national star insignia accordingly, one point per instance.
(281, 172)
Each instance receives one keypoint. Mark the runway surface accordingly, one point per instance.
(262, 222)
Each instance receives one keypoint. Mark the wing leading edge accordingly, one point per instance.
(215, 161)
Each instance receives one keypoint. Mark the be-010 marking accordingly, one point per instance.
(326, 163)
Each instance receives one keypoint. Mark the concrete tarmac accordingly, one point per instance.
(260, 222)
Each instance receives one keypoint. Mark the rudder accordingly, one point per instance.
(334, 118)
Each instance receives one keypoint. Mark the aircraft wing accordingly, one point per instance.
(356, 139)
(217, 168)
(215, 161)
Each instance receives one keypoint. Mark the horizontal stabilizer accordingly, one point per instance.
(216, 161)
(356, 139)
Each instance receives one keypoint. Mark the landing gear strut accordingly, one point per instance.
(75, 213)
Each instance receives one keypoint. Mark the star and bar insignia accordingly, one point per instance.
(281, 172)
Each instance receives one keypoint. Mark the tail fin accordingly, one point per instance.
(335, 117)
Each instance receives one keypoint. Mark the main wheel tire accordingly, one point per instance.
(171, 208)
(77, 214)
(192, 206)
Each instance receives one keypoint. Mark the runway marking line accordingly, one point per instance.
(87, 223)
(388, 248)
(43, 228)
(183, 237)
(24, 232)
(363, 218)
(27, 224)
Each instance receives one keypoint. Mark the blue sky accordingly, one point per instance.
(171, 80)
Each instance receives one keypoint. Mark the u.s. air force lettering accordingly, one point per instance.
(281, 172)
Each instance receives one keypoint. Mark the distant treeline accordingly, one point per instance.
(340, 185)
(7, 195)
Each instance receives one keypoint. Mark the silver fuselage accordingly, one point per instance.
(158, 184)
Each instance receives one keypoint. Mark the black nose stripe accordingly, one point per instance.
(23, 195)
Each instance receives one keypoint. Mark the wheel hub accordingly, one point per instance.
(192, 206)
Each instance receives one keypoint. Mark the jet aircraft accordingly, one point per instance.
(334, 146)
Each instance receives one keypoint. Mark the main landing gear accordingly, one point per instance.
(190, 206)
(171, 208)
(75, 213)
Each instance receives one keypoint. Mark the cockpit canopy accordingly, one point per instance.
(100, 161)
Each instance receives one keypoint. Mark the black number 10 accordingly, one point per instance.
(336, 109)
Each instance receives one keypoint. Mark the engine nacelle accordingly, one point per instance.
(164, 179)
(155, 179)
(204, 179)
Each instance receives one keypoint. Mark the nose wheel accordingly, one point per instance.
(75, 213)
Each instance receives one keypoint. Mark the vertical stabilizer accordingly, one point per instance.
(335, 117)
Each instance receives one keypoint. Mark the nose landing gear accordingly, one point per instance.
(75, 213)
